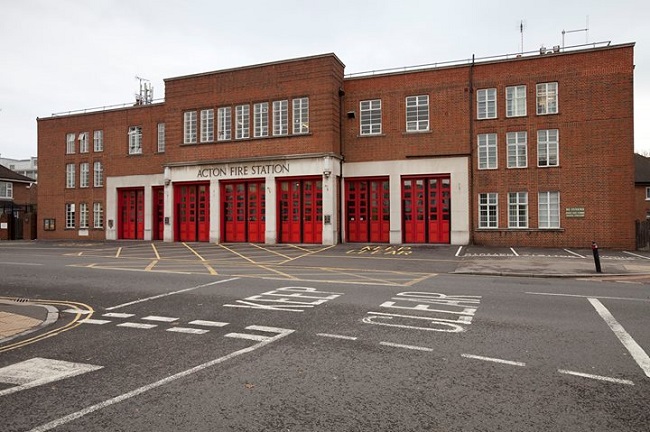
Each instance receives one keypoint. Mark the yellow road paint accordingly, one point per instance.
(119, 251)
(151, 265)
(155, 251)
(193, 251)
(288, 276)
(210, 269)
(272, 251)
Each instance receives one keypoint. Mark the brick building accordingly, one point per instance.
(17, 206)
(528, 150)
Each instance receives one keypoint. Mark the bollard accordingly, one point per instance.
(594, 249)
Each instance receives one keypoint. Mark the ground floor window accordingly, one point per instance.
(488, 210)
(549, 210)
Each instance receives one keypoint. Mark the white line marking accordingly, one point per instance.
(494, 360)
(117, 315)
(170, 293)
(636, 255)
(23, 264)
(70, 417)
(458, 251)
(574, 253)
(584, 296)
(95, 321)
(630, 344)
(77, 311)
(337, 336)
(208, 323)
(596, 377)
(160, 318)
(258, 338)
(187, 330)
(411, 347)
(265, 329)
(138, 325)
(514, 251)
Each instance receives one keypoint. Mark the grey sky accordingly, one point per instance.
(75, 54)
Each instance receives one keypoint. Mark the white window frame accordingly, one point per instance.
(83, 216)
(70, 176)
(224, 124)
(98, 174)
(488, 210)
(370, 123)
(548, 210)
(548, 148)
(135, 140)
(6, 190)
(242, 121)
(261, 119)
(207, 125)
(547, 98)
(161, 137)
(517, 143)
(189, 127)
(98, 215)
(518, 210)
(300, 115)
(516, 101)
(69, 216)
(98, 141)
(647, 193)
(70, 143)
(487, 151)
(280, 118)
(486, 103)
(84, 175)
(83, 143)
(417, 113)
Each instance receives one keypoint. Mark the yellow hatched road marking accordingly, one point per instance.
(155, 251)
(193, 251)
(272, 251)
(210, 269)
(151, 265)
(288, 276)
(119, 251)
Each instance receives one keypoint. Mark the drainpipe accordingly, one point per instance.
(471, 152)
(340, 180)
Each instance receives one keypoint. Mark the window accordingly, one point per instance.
(224, 120)
(98, 215)
(69, 216)
(547, 98)
(84, 174)
(517, 149)
(242, 113)
(98, 177)
(280, 117)
(98, 140)
(301, 116)
(6, 190)
(488, 210)
(83, 142)
(207, 125)
(370, 117)
(417, 113)
(83, 215)
(189, 127)
(518, 210)
(547, 148)
(647, 194)
(487, 151)
(161, 137)
(69, 143)
(261, 119)
(135, 140)
(487, 103)
(516, 101)
(69, 176)
(549, 209)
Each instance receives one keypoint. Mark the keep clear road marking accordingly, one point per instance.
(494, 360)
(596, 377)
(411, 347)
(630, 344)
(280, 333)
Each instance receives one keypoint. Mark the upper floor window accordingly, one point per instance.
(161, 137)
(547, 148)
(370, 117)
(488, 210)
(242, 120)
(98, 140)
(189, 127)
(516, 101)
(207, 125)
(261, 119)
(280, 117)
(549, 210)
(83, 142)
(135, 140)
(70, 173)
(84, 174)
(224, 122)
(6, 190)
(98, 174)
(69, 143)
(487, 151)
(301, 115)
(547, 98)
(517, 149)
(417, 113)
(486, 103)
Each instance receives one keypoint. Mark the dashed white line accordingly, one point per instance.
(494, 360)
(187, 330)
(585, 296)
(118, 315)
(208, 323)
(458, 251)
(95, 321)
(596, 377)
(514, 251)
(574, 253)
(137, 325)
(335, 336)
(636, 255)
(77, 311)
(411, 347)
(254, 337)
(160, 318)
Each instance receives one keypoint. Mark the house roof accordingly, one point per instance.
(8, 175)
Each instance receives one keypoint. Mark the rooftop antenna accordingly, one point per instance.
(145, 97)
(586, 30)
(521, 30)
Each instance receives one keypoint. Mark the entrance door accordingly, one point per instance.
(158, 213)
(426, 203)
(368, 210)
(131, 214)
(244, 211)
(300, 204)
(192, 212)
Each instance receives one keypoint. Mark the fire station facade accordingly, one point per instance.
(533, 150)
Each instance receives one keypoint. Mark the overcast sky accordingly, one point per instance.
(66, 55)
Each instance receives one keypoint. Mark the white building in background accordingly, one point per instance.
(26, 167)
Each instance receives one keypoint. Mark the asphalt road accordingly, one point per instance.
(241, 340)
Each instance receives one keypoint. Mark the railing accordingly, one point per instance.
(108, 107)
